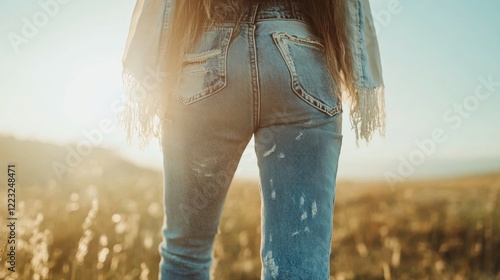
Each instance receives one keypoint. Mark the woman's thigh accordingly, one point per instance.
(206, 127)
(297, 145)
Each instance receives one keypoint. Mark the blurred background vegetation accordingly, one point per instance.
(102, 221)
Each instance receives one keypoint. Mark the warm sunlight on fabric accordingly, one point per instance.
(83, 102)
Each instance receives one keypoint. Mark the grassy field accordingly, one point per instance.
(102, 220)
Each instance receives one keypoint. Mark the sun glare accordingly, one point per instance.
(85, 99)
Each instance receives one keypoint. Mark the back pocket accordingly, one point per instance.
(305, 59)
(204, 68)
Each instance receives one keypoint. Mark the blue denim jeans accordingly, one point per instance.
(269, 81)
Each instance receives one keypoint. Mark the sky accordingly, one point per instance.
(60, 63)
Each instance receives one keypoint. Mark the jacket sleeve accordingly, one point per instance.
(142, 62)
(364, 43)
(145, 32)
(166, 27)
(368, 112)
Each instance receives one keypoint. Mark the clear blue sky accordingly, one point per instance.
(65, 75)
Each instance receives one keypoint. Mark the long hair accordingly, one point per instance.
(189, 18)
(329, 19)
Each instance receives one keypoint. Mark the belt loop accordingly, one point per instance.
(292, 6)
(253, 16)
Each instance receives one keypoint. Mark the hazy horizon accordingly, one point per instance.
(441, 69)
(247, 169)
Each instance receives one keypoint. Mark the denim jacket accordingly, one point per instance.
(151, 24)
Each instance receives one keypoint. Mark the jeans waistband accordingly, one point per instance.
(259, 10)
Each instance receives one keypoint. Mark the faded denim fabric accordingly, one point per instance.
(269, 81)
(368, 69)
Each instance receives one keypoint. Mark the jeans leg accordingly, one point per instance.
(298, 169)
(200, 158)
(202, 146)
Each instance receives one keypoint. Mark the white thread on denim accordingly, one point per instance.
(270, 264)
(314, 209)
(304, 216)
(267, 153)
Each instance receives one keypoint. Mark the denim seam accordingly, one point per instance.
(253, 66)
(255, 76)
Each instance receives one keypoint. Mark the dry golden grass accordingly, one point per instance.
(103, 222)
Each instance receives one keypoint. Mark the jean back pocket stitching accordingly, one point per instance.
(279, 39)
(202, 58)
